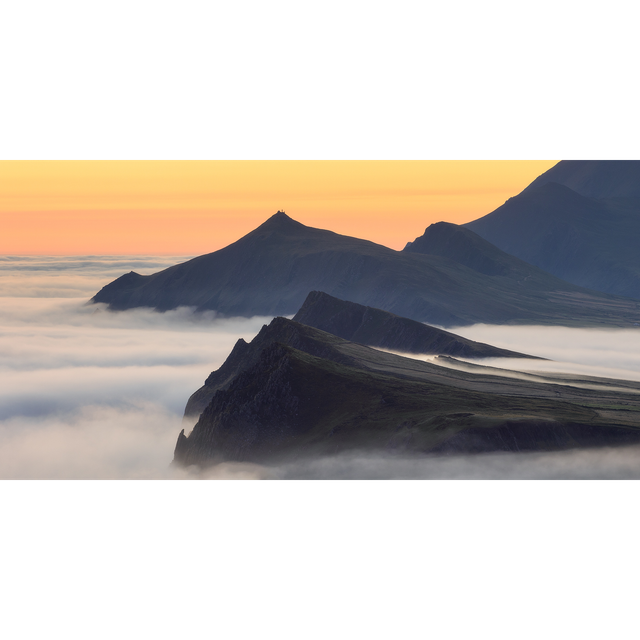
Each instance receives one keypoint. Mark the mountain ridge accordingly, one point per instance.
(468, 248)
(586, 240)
(290, 404)
(599, 179)
(271, 270)
(324, 322)
(380, 329)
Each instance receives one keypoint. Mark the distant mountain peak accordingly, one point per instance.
(280, 220)
(464, 246)
(271, 270)
(281, 216)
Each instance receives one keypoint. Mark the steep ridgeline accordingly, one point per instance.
(271, 270)
(347, 320)
(292, 404)
(599, 179)
(378, 328)
(579, 221)
(244, 355)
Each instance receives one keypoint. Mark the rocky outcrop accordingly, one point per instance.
(253, 417)
(243, 356)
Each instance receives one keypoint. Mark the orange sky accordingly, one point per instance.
(194, 207)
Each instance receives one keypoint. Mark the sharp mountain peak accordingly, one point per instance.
(280, 220)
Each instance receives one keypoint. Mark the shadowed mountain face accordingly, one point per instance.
(468, 248)
(271, 270)
(289, 403)
(244, 355)
(579, 221)
(377, 328)
(346, 320)
(599, 179)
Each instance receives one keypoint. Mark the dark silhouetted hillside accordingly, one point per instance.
(271, 270)
(343, 320)
(579, 221)
(599, 179)
(378, 328)
(289, 403)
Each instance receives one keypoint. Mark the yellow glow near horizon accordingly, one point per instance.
(194, 207)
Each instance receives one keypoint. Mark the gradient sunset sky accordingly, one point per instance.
(195, 207)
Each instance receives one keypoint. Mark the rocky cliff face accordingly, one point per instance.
(243, 356)
(290, 404)
(256, 415)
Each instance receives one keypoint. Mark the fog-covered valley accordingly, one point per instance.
(89, 393)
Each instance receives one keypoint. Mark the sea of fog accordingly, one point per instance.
(92, 394)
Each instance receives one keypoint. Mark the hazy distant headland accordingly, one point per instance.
(271, 271)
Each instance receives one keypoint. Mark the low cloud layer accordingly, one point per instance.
(90, 442)
(607, 463)
(608, 353)
(58, 354)
(88, 393)
(71, 276)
